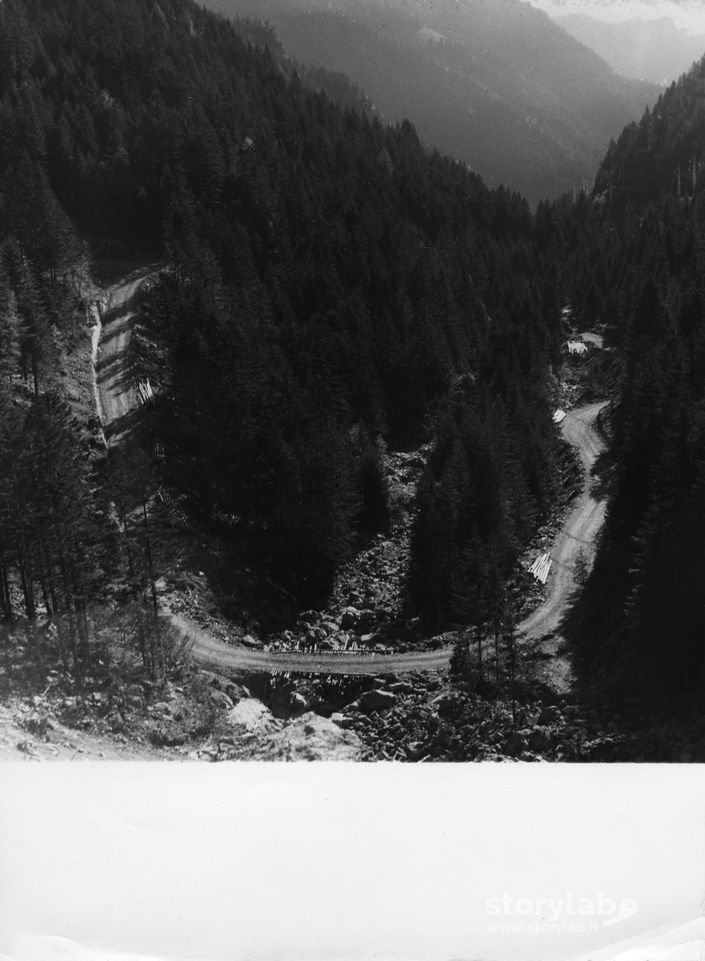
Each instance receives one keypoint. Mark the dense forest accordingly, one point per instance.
(330, 283)
(329, 290)
(660, 155)
(632, 254)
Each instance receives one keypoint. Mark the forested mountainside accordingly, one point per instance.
(493, 83)
(663, 153)
(633, 260)
(328, 284)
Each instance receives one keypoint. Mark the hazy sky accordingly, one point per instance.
(331, 862)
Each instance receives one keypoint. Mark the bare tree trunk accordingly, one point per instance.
(35, 373)
(136, 590)
(81, 614)
(26, 581)
(152, 582)
(5, 599)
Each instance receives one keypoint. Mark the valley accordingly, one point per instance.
(493, 84)
(316, 445)
(119, 400)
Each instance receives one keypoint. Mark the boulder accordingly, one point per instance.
(366, 622)
(549, 715)
(375, 700)
(444, 704)
(252, 717)
(220, 699)
(249, 641)
(220, 683)
(38, 725)
(116, 722)
(166, 735)
(310, 738)
(298, 703)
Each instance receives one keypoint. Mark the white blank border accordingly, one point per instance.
(327, 862)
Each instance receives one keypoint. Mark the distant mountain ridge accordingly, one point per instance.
(491, 82)
(688, 15)
(654, 50)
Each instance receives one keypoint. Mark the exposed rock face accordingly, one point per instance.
(218, 682)
(252, 717)
(310, 738)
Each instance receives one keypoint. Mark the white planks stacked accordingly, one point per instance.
(541, 567)
(144, 389)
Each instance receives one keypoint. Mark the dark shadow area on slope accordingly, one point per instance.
(113, 327)
(129, 422)
(325, 694)
(116, 369)
(607, 687)
(108, 271)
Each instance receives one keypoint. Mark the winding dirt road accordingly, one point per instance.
(118, 400)
(580, 530)
(210, 651)
(579, 533)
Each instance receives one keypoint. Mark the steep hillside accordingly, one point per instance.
(661, 155)
(495, 84)
(632, 255)
(327, 285)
